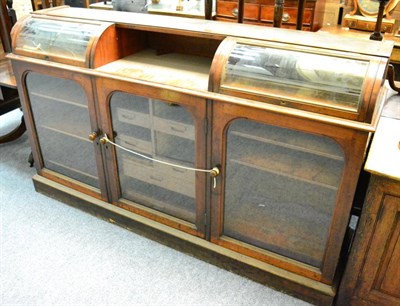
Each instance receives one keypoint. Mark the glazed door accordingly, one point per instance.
(286, 188)
(63, 117)
(157, 143)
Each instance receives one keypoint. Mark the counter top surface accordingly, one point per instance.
(384, 155)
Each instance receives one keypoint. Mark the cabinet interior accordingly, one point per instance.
(165, 58)
(155, 130)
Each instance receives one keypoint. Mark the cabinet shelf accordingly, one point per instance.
(163, 200)
(288, 146)
(53, 99)
(82, 173)
(279, 223)
(171, 69)
(162, 206)
(63, 132)
(277, 172)
(163, 176)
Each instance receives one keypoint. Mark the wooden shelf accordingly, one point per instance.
(64, 132)
(55, 99)
(288, 146)
(295, 177)
(71, 169)
(158, 198)
(173, 69)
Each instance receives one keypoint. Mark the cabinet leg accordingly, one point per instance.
(31, 161)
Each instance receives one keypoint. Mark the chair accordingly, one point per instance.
(9, 99)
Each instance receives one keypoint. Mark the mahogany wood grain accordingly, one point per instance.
(372, 275)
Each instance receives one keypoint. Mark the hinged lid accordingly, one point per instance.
(337, 83)
(59, 40)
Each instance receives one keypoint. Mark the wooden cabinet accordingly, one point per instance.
(244, 147)
(373, 274)
(261, 12)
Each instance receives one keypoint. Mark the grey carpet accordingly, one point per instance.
(53, 254)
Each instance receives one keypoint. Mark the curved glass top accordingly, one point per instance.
(307, 78)
(57, 38)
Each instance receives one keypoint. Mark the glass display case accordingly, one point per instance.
(59, 40)
(240, 140)
(333, 83)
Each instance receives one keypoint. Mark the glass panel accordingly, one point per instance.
(62, 122)
(308, 78)
(281, 188)
(159, 130)
(58, 38)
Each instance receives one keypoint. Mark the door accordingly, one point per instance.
(157, 157)
(63, 116)
(286, 188)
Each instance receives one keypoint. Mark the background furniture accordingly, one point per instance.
(261, 12)
(365, 35)
(372, 275)
(9, 99)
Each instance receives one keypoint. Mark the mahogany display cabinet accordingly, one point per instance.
(244, 141)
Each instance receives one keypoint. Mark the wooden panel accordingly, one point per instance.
(390, 280)
(367, 23)
(135, 144)
(173, 128)
(372, 275)
(229, 9)
(162, 176)
(267, 14)
(380, 281)
(132, 117)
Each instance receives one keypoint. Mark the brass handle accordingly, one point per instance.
(285, 17)
(235, 12)
(214, 172)
(103, 140)
(93, 136)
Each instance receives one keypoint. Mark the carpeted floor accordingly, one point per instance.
(53, 254)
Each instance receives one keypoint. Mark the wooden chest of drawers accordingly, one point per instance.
(261, 12)
(367, 23)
